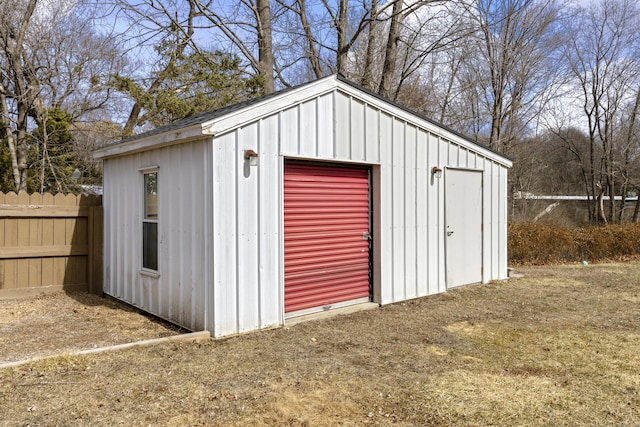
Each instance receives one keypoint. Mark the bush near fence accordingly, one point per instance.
(540, 243)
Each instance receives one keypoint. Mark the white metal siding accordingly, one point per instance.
(222, 254)
(246, 200)
(338, 127)
(179, 292)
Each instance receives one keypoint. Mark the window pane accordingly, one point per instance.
(150, 245)
(151, 195)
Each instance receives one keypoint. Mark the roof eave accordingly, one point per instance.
(174, 136)
(237, 118)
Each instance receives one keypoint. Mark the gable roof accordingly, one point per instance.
(227, 118)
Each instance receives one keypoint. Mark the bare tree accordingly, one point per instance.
(367, 78)
(338, 36)
(248, 26)
(329, 32)
(429, 37)
(46, 66)
(391, 52)
(389, 45)
(311, 52)
(516, 39)
(166, 25)
(17, 85)
(603, 55)
(630, 153)
(300, 56)
(266, 60)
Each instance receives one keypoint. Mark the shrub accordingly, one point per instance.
(533, 243)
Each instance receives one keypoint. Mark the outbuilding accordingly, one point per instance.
(312, 198)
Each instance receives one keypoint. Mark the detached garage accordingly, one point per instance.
(309, 199)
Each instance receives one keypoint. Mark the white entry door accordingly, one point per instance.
(463, 222)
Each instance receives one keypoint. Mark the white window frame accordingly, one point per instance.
(144, 172)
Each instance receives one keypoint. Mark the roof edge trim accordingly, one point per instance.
(449, 133)
(152, 141)
(289, 98)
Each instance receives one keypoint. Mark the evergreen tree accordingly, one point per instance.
(51, 154)
(190, 84)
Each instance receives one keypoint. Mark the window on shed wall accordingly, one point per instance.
(150, 222)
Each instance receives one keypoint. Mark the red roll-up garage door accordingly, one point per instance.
(326, 228)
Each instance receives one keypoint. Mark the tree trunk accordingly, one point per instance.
(592, 168)
(341, 26)
(265, 45)
(134, 118)
(612, 195)
(601, 212)
(13, 40)
(636, 209)
(11, 142)
(312, 52)
(21, 150)
(391, 51)
(372, 41)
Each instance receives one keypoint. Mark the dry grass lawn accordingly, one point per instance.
(57, 323)
(559, 347)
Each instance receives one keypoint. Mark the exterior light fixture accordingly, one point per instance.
(436, 172)
(252, 157)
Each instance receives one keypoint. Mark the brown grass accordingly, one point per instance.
(60, 322)
(559, 347)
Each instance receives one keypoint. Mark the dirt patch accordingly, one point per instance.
(558, 347)
(66, 322)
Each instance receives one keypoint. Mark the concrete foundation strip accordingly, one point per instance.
(190, 337)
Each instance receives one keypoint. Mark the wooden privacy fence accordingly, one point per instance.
(50, 242)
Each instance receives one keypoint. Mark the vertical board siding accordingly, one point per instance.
(290, 128)
(170, 218)
(269, 202)
(308, 124)
(342, 143)
(410, 219)
(502, 248)
(331, 127)
(226, 263)
(178, 292)
(496, 206)
(372, 125)
(325, 129)
(245, 204)
(422, 215)
(181, 292)
(358, 132)
(246, 229)
(434, 278)
(398, 210)
(385, 210)
(247, 223)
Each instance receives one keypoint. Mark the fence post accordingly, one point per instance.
(94, 264)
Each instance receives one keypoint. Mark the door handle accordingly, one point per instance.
(449, 233)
